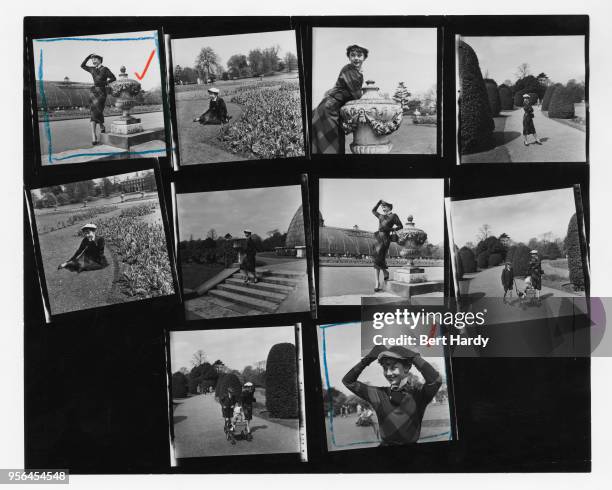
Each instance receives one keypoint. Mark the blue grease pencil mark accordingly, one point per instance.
(43, 101)
(108, 153)
(96, 39)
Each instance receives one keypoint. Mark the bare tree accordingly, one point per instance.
(522, 71)
(483, 232)
(212, 233)
(198, 358)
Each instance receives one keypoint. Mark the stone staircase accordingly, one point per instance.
(265, 296)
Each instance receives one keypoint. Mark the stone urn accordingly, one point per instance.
(411, 239)
(125, 90)
(371, 119)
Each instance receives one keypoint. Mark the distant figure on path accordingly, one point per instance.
(91, 250)
(102, 76)
(217, 110)
(528, 126)
(507, 279)
(387, 222)
(327, 132)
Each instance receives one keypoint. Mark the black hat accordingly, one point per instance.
(355, 47)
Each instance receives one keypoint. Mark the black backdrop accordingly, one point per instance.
(96, 398)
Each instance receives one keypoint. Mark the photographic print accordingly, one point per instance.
(381, 396)
(102, 242)
(380, 239)
(237, 97)
(99, 97)
(519, 255)
(235, 392)
(521, 99)
(243, 252)
(374, 90)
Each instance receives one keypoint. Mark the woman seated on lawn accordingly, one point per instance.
(217, 110)
(91, 250)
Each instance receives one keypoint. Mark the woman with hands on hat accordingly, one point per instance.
(102, 76)
(528, 126)
(388, 222)
(217, 110)
(327, 132)
(400, 406)
(91, 249)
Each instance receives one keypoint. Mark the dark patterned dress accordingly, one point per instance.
(216, 113)
(528, 127)
(535, 271)
(92, 252)
(102, 76)
(327, 132)
(248, 262)
(386, 222)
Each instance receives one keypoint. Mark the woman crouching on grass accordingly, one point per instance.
(217, 110)
(91, 250)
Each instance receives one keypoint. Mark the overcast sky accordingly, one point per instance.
(560, 57)
(395, 55)
(185, 51)
(63, 58)
(236, 347)
(522, 216)
(348, 202)
(343, 351)
(260, 210)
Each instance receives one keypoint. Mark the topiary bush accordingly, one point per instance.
(574, 256)
(562, 104)
(483, 259)
(281, 381)
(505, 98)
(179, 385)
(519, 256)
(475, 121)
(467, 259)
(533, 98)
(495, 259)
(518, 99)
(224, 382)
(493, 96)
(548, 95)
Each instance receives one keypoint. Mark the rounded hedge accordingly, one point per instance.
(179, 385)
(505, 98)
(475, 121)
(495, 259)
(281, 381)
(519, 256)
(533, 98)
(467, 259)
(493, 96)
(548, 95)
(224, 382)
(483, 259)
(518, 99)
(574, 256)
(562, 104)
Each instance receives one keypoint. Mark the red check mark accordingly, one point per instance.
(144, 72)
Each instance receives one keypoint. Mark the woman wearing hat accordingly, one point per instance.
(535, 271)
(102, 76)
(91, 249)
(249, 261)
(528, 127)
(387, 222)
(217, 110)
(327, 132)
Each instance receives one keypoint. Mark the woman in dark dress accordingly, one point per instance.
(327, 132)
(387, 222)
(535, 271)
(91, 250)
(102, 76)
(249, 261)
(217, 110)
(528, 126)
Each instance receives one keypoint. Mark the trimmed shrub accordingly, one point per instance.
(533, 98)
(179, 385)
(224, 382)
(495, 259)
(574, 256)
(518, 99)
(493, 96)
(467, 259)
(519, 256)
(475, 121)
(562, 104)
(548, 95)
(505, 98)
(281, 381)
(483, 259)
(460, 269)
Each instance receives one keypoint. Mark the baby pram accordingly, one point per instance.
(364, 420)
(236, 430)
(528, 295)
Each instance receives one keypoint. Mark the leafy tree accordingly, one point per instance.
(333, 399)
(207, 63)
(577, 89)
(291, 61)
(178, 74)
(402, 96)
(238, 66)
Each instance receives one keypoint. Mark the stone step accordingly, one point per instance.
(283, 281)
(252, 292)
(254, 303)
(287, 274)
(261, 284)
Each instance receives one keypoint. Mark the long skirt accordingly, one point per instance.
(248, 263)
(209, 117)
(87, 265)
(327, 132)
(383, 242)
(528, 127)
(97, 101)
(536, 281)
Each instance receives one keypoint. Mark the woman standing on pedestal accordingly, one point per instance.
(387, 222)
(102, 76)
(327, 132)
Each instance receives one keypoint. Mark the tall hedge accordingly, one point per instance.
(548, 95)
(224, 382)
(519, 256)
(281, 381)
(505, 98)
(518, 99)
(467, 259)
(179, 385)
(493, 96)
(562, 104)
(476, 123)
(495, 259)
(574, 256)
(483, 259)
(533, 98)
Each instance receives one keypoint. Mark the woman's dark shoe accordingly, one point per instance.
(376, 290)
(102, 129)
(386, 276)
(94, 143)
